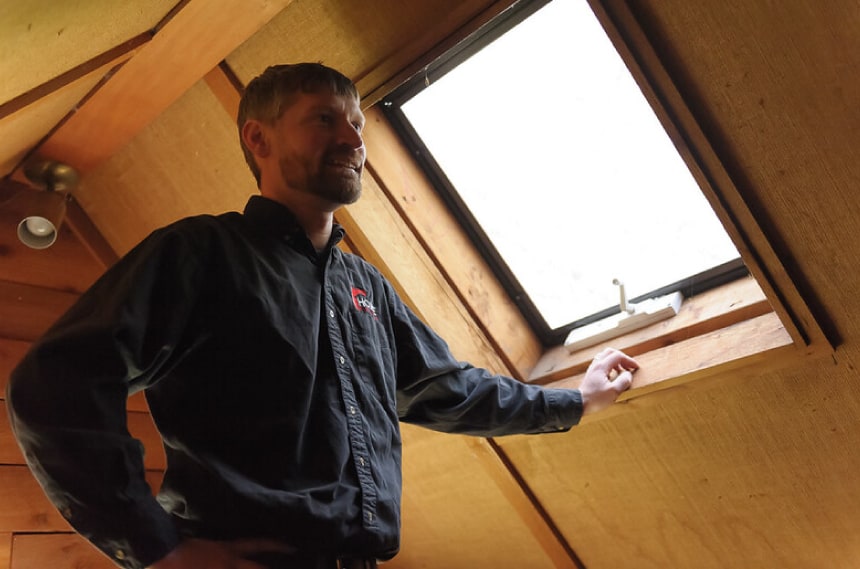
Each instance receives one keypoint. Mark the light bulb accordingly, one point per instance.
(39, 226)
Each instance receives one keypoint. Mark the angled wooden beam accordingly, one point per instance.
(112, 57)
(89, 235)
(190, 44)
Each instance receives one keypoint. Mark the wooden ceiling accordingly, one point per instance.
(752, 471)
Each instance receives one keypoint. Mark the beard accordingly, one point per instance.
(333, 184)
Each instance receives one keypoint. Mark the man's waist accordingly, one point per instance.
(279, 560)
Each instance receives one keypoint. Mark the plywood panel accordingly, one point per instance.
(40, 39)
(776, 91)
(57, 551)
(368, 41)
(756, 474)
(455, 516)
(187, 162)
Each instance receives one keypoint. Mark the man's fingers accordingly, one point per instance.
(623, 381)
(611, 359)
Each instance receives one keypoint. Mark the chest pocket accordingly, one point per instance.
(369, 336)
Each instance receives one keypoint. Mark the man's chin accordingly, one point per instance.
(341, 193)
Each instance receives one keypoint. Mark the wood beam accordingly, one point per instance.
(112, 58)
(89, 235)
(190, 44)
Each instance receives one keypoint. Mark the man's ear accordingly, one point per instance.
(255, 135)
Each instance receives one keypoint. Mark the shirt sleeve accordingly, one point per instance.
(67, 398)
(436, 391)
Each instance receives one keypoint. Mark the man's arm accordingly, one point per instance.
(67, 398)
(436, 391)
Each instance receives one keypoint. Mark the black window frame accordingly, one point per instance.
(391, 106)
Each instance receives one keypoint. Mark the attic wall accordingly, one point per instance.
(755, 472)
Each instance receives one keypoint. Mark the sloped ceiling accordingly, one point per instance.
(758, 472)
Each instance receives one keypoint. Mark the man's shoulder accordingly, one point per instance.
(201, 225)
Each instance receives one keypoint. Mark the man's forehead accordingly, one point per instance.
(326, 96)
(304, 102)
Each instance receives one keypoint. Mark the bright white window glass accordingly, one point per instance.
(562, 161)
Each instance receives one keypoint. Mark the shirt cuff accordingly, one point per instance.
(564, 409)
(134, 539)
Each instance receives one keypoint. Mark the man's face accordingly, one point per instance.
(319, 147)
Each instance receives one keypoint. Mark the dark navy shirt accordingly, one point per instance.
(277, 377)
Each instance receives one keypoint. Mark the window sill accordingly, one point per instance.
(730, 328)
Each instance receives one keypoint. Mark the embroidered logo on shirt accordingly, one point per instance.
(362, 302)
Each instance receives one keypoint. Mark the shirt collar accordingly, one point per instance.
(273, 217)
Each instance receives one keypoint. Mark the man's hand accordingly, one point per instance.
(202, 553)
(610, 373)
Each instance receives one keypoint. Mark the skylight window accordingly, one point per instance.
(550, 152)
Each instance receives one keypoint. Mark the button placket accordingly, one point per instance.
(356, 436)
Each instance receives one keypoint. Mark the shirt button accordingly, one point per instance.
(370, 516)
(119, 554)
(352, 411)
(361, 460)
(331, 313)
(342, 360)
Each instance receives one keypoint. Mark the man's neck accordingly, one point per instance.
(315, 218)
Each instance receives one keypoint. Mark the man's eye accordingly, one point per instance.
(357, 126)
(326, 118)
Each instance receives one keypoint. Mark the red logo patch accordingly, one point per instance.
(362, 302)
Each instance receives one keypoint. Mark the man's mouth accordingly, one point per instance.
(344, 165)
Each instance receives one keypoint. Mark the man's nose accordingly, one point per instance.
(349, 135)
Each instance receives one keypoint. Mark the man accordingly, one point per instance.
(276, 367)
